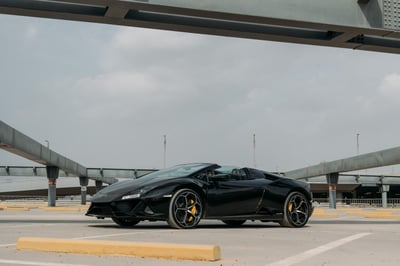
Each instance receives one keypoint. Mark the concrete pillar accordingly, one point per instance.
(83, 181)
(332, 180)
(384, 189)
(52, 175)
(99, 185)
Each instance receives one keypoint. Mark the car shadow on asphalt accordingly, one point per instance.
(159, 226)
(353, 222)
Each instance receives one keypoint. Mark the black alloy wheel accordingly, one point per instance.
(125, 222)
(185, 209)
(296, 210)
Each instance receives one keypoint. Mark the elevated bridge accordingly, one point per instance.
(16, 142)
(332, 170)
(372, 25)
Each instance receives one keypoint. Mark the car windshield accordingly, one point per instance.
(178, 171)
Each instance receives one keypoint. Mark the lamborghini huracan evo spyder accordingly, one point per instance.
(183, 195)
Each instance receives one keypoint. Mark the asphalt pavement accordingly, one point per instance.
(344, 236)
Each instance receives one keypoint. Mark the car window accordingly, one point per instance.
(255, 174)
(177, 171)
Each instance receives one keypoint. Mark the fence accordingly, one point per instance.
(364, 203)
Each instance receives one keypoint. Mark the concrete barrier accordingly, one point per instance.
(17, 208)
(154, 250)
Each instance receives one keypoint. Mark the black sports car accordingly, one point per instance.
(183, 195)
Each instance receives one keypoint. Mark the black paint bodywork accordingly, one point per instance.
(251, 195)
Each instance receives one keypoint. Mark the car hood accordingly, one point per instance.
(119, 189)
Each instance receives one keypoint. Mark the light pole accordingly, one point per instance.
(165, 150)
(358, 144)
(48, 144)
(254, 150)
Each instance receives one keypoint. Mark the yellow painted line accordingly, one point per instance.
(355, 213)
(154, 250)
(16, 209)
(22, 204)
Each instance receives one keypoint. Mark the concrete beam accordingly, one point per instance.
(360, 162)
(15, 142)
(22, 145)
(362, 24)
(118, 173)
(93, 173)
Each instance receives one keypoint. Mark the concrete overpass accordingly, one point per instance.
(20, 144)
(16, 142)
(332, 170)
(372, 25)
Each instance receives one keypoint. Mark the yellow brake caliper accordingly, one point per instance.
(290, 207)
(193, 210)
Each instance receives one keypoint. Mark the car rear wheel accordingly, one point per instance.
(296, 210)
(185, 209)
(125, 222)
(234, 222)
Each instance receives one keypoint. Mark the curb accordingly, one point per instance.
(154, 250)
(17, 209)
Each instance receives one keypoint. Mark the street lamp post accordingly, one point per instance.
(254, 150)
(358, 144)
(165, 151)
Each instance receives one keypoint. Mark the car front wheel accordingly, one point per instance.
(296, 210)
(185, 209)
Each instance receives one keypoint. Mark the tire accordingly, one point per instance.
(296, 210)
(234, 222)
(185, 209)
(125, 222)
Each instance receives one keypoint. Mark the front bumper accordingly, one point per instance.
(136, 209)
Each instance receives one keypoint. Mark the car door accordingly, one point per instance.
(233, 195)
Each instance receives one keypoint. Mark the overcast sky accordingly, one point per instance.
(104, 96)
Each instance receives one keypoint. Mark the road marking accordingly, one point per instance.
(316, 251)
(7, 245)
(20, 262)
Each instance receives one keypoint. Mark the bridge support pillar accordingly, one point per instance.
(83, 181)
(52, 175)
(384, 189)
(99, 185)
(332, 180)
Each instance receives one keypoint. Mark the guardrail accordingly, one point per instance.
(363, 203)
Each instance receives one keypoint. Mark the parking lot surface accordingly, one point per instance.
(332, 237)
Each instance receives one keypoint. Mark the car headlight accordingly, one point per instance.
(131, 196)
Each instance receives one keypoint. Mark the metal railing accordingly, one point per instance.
(363, 203)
